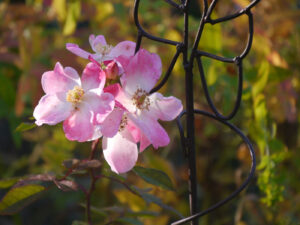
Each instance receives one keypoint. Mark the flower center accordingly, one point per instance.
(75, 95)
(141, 100)
(123, 123)
(103, 49)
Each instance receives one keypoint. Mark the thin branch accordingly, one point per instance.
(94, 179)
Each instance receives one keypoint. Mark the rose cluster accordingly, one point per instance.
(111, 99)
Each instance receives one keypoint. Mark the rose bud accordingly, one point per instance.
(112, 70)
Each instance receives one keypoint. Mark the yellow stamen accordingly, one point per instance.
(103, 49)
(75, 95)
(141, 99)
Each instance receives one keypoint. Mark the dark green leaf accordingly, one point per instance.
(155, 177)
(153, 199)
(129, 221)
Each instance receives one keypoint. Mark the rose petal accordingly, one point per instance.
(133, 130)
(120, 152)
(144, 142)
(110, 126)
(60, 79)
(101, 105)
(77, 51)
(95, 40)
(96, 133)
(143, 71)
(164, 108)
(93, 77)
(125, 48)
(52, 109)
(153, 131)
(121, 97)
(79, 126)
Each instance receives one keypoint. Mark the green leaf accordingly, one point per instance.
(155, 177)
(76, 222)
(129, 221)
(263, 74)
(18, 197)
(25, 126)
(153, 199)
(6, 183)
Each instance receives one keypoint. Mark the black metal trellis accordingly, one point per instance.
(188, 141)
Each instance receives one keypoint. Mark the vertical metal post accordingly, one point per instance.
(190, 142)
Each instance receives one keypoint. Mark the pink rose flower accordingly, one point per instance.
(136, 119)
(103, 51)
(80, 103)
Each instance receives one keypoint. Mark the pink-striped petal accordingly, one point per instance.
(143, 71)
(164, 108)
(152, 130)
(133, 130)
(101, 105)
(95, 40)
(120, 152)
(110, 126)
(96, 133)
(75, 49)
(121, 97)
(125, 48)
(93, 77)
(144, 142)
(79, 126)
(60, 79)
(52, 109)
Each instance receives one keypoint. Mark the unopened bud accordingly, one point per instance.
(112, 70)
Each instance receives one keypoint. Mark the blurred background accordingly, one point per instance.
(33, 34)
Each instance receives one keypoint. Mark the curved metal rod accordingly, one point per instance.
(138, 42)
(250, 35)
(245, 183)
(210, 9)
(207, 95)
(216, 57)
(245, 51)
(172, 3)
(168, 73)
(145, 33)
(201, 27)
(232, 16)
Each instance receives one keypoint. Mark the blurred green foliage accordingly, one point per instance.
(33, 34)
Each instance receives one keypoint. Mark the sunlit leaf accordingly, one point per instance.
(263, 75)
(155, 177)
(18, 197)
(73, 14)
(25, 127)
(104, 9)
(6, 183)
(59, 7)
